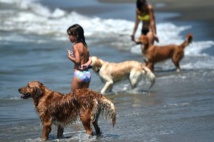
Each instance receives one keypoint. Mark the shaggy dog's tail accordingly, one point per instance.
(187, 41)
(150, 75)
(98, 103)
(107, 109)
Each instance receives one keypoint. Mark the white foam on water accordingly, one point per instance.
(32, 17)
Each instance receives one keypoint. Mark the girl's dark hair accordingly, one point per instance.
(77, 30)
(140, 3)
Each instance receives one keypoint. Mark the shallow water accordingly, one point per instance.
(33, 47)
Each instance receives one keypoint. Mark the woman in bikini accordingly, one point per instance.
(145, 13)
(80, 57)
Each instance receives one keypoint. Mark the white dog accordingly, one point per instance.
(114, 72)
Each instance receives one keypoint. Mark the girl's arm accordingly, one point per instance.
(86, 65)
(74, 56)
(137, 21)
(89, 62)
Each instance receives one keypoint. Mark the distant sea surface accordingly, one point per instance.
(33, 46)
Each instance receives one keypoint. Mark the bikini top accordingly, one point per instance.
(143, 17)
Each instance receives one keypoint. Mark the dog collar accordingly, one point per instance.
(98, 70)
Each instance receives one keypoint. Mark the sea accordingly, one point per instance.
(33, 46)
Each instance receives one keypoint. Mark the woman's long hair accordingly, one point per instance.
(77, 30)
(140, 3)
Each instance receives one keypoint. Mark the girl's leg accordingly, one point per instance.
(86, 85)
(88, 79)
(76, 84)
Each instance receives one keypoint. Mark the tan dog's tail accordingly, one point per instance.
(187, 41)
(107, 109)
(150, 75)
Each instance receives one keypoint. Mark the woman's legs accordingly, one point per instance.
(151, 37)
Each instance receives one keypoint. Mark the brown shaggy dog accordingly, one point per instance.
(154, 53)
(56, 108)
(110, 73)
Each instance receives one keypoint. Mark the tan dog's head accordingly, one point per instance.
(33, 89)
(142, 40)
(96, 63)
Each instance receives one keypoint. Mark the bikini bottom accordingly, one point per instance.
(84, 76)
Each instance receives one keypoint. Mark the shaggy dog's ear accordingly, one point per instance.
(37, 92)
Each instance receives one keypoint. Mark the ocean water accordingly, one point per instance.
(34, 44)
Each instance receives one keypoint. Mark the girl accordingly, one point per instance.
(80, 57)
(145, 13)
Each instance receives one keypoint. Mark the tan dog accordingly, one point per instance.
(54, 107)
(154, 53)
(111, 73)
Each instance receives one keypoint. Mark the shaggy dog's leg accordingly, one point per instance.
(60, 130)
(85, 117)
(46, 128)
(96, 127)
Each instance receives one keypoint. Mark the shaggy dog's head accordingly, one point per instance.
(33, 89)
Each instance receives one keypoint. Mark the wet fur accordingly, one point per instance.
(110, 73)
(56, 108)
(154, 53)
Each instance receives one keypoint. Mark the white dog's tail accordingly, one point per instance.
(150, 75)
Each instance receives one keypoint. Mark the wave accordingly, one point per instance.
(30, 17)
